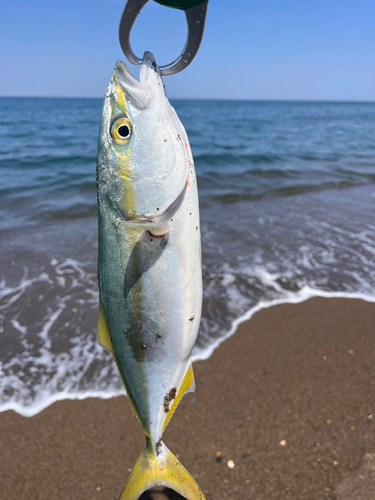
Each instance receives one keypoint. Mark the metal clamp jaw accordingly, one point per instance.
(195, 20)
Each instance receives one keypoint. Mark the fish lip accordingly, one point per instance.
(123, 74)
(139, 94)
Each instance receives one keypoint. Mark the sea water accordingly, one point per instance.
(287, 198)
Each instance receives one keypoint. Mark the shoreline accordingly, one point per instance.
(300, 373)
(305, 294)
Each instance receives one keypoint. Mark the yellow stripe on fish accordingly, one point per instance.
(121, 98)
(124, 160)
(124, 170)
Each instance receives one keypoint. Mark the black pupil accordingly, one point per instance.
(123, 131)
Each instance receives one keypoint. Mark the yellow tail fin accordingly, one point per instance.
(159, 467)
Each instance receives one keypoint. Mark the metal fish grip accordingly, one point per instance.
(195, 20)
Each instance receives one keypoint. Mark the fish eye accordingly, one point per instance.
(121, 130)
(124, 131)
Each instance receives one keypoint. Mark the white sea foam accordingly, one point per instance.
(292, 298)
(46, 398)
(45, 370)
(49, 317)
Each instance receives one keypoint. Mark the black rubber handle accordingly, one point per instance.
(180, 4)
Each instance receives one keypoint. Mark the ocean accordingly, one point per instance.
(287, 199)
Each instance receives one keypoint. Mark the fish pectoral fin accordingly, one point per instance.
(157, 466)
(187, 385)
(103, 332)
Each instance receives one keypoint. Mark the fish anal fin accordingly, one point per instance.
(160, 468)
(103, 332)
(106, 342)
(187, 385)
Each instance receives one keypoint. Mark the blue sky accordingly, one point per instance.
(269, 49)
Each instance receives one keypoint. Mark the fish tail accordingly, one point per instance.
(157, 466)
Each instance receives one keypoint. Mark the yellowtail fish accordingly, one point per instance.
(149, 270)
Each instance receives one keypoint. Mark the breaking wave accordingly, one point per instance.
(287, 200)
(48, 317)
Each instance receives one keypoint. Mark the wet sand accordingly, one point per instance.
(289, 399)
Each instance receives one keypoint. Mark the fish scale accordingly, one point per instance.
(149, 266)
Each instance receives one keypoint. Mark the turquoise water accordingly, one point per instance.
(287, 195)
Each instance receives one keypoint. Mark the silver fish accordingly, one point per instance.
(149, 268)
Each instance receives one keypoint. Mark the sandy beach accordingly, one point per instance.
(289, 399)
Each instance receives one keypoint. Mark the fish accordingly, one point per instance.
(149, 263)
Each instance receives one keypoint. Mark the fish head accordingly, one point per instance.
(143, 158)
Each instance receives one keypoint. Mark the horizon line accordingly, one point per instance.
(222, 99)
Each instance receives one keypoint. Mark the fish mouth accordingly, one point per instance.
(138, 93)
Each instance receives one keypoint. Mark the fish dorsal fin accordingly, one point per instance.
(103, 332)
(187, 385)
